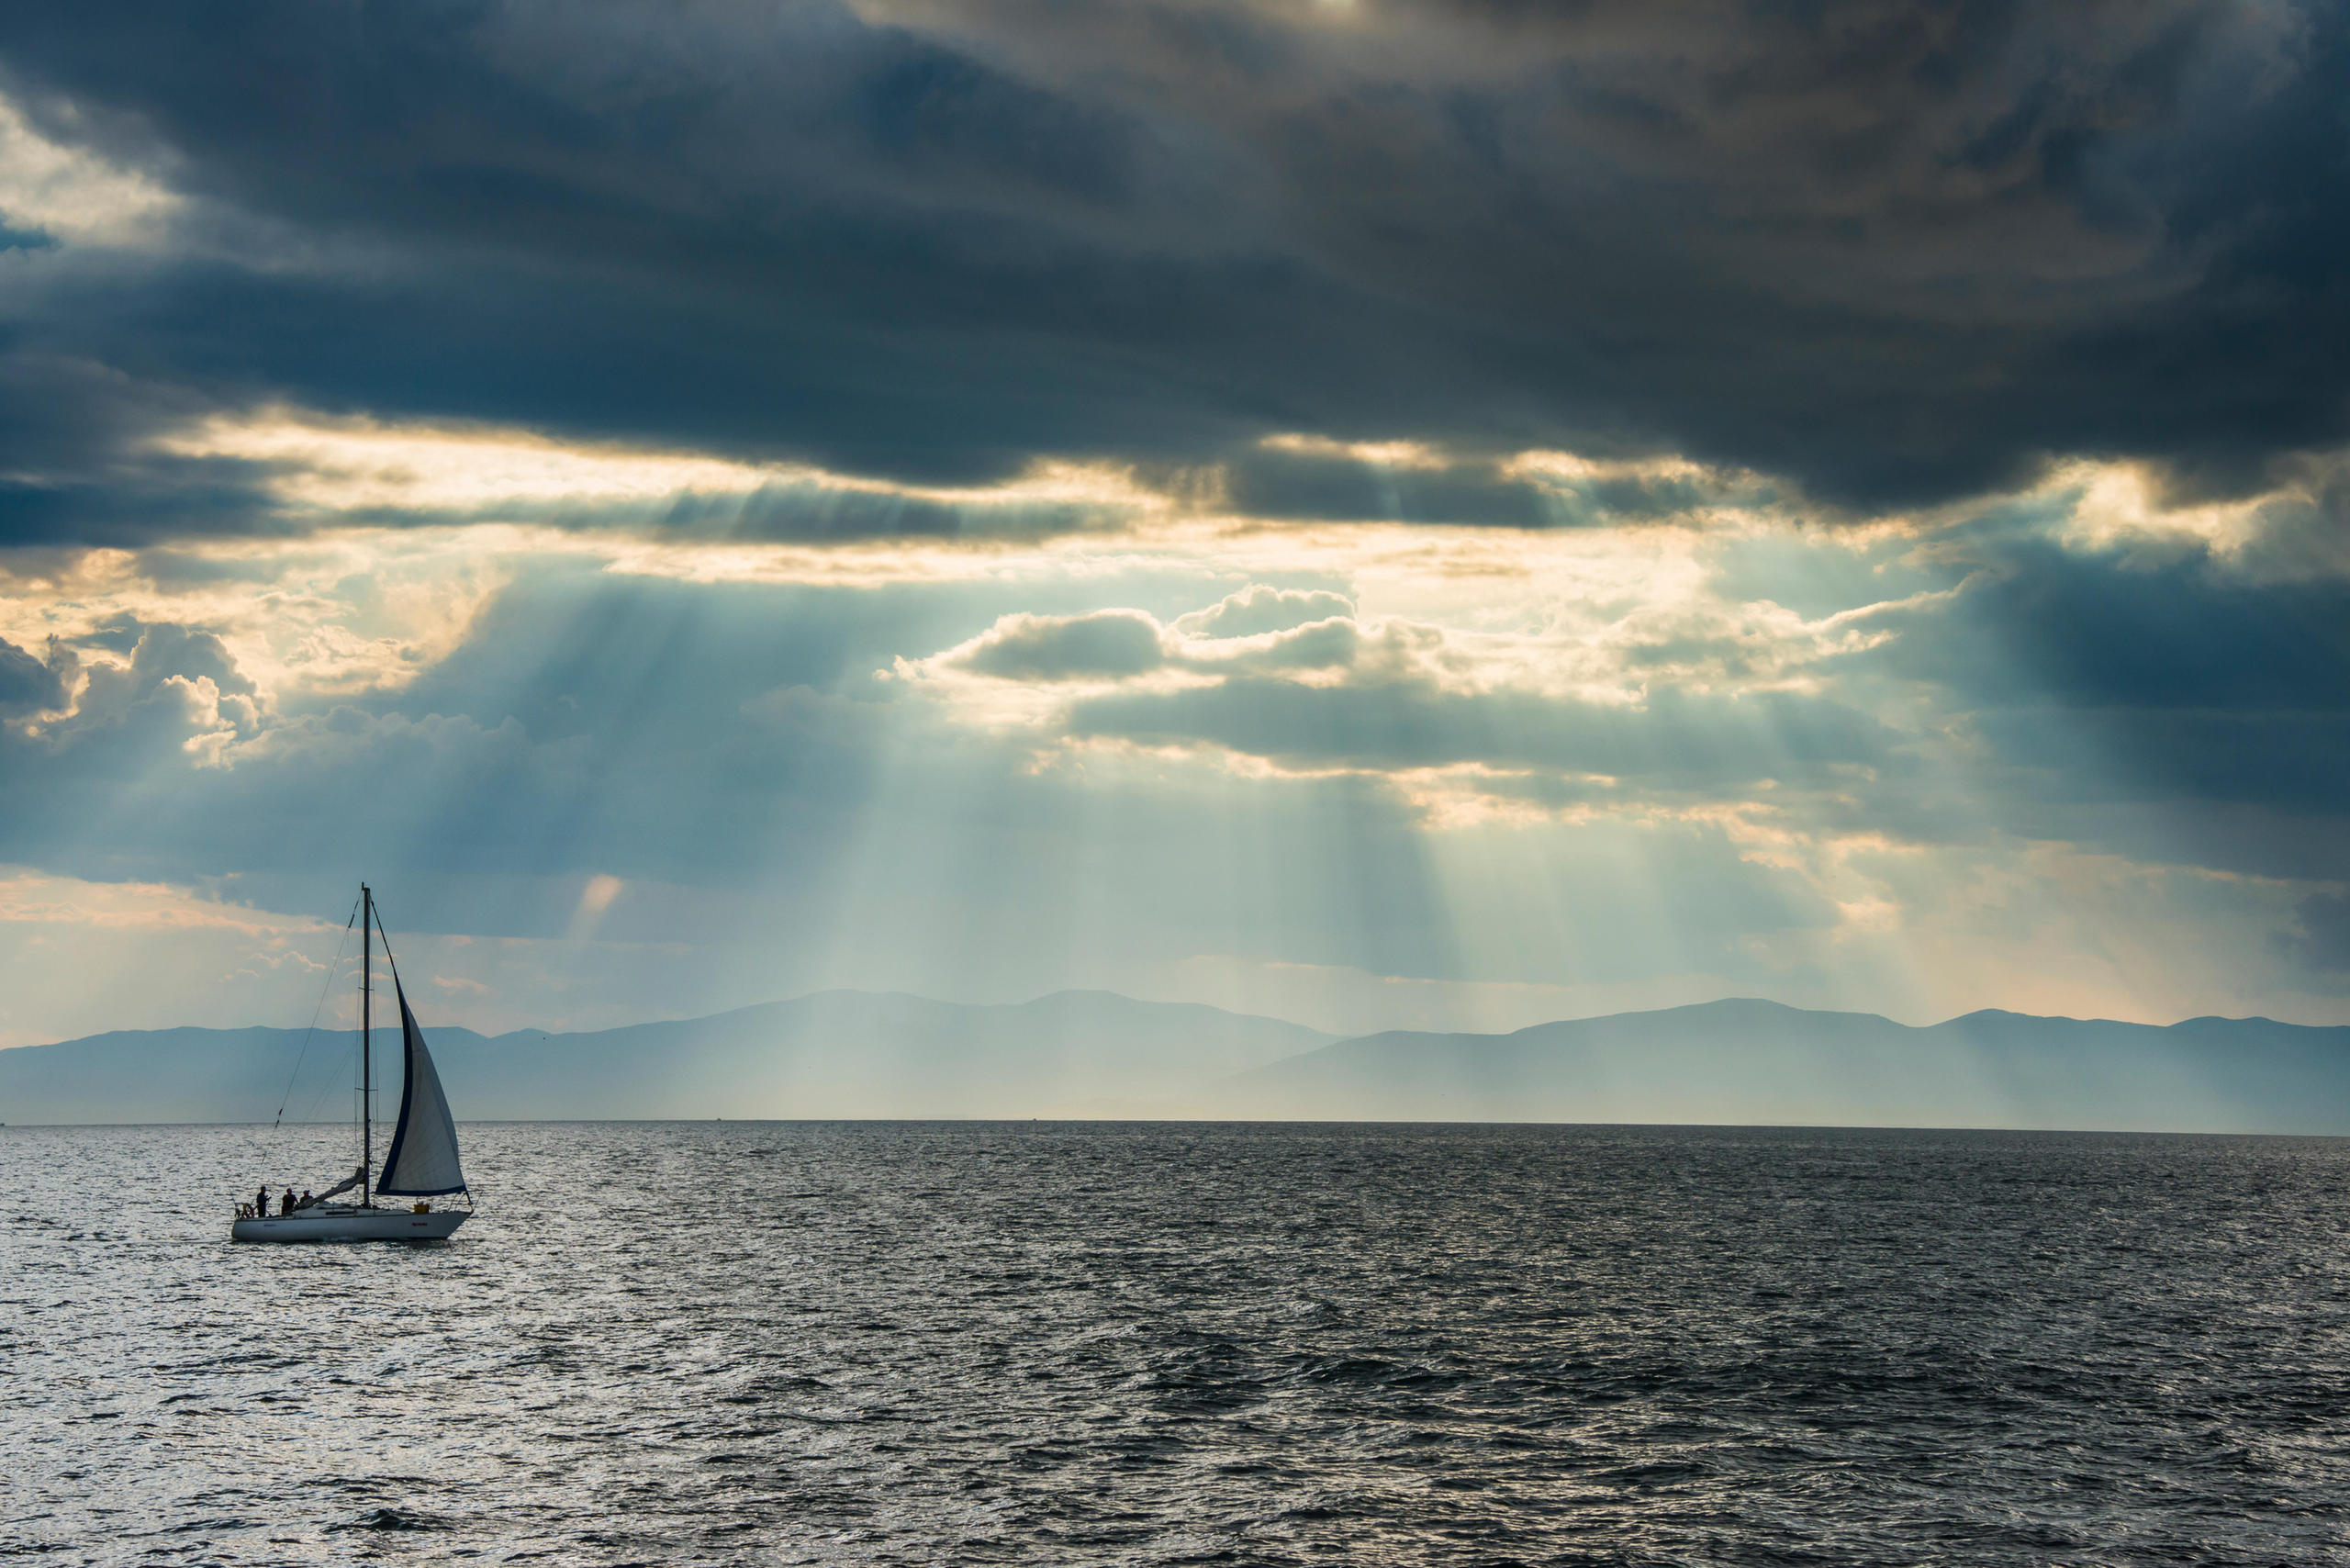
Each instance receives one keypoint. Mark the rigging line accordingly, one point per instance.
(319, 1099)
(358, 1052)
(325, 1089)
(334, 965)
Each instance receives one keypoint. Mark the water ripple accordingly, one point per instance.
(1101, 1344)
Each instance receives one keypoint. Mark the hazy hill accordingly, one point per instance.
(856, 1054)
(1091, 1053)
(833, 1054)
(195, 1075)
(1745, 1061)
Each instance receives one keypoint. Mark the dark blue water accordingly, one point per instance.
(1110, 1344)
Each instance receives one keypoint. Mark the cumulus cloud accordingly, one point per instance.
(26, 684)
(1111, 642)
(1258, 609)
(1115, 645)
(1395, 697)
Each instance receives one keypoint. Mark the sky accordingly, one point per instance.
(1425, 514)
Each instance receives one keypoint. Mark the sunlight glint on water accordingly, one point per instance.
(1068, 1343)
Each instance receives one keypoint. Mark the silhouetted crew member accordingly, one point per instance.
(307, 1199)
(285, 1204)
(260, 1202)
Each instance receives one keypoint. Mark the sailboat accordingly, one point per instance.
(421, 1163)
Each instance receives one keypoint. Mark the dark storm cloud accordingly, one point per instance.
(77, 461)
(2239, 689)
(797, 511)
(1891, 250)
(2174, 709)
(1285, 481)
(2103, 630)
(1276, 484)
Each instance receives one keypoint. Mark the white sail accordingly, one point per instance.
(423, 1158)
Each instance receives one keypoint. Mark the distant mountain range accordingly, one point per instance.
(1758, 1062)
(855, 1054)
(838, 1053)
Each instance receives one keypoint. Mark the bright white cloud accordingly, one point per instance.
(332, 466)
(73, 194)
(2291, 529)
(1260, 608)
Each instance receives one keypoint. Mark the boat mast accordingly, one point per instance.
(366, 1062)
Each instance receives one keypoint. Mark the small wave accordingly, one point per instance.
(389, 1519)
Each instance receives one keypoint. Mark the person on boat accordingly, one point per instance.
(285, 1204)
(307, 1199)
(260, 1202)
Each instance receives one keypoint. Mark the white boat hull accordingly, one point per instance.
(353, 1225)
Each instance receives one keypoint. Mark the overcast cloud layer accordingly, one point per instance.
(1890, 253)
(1385, 513)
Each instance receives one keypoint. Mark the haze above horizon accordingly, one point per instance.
(1395, 515)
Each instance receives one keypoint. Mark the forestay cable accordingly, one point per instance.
(334, 967)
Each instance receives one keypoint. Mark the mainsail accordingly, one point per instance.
(423, 1160)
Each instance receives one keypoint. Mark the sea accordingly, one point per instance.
(1044, 1343)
